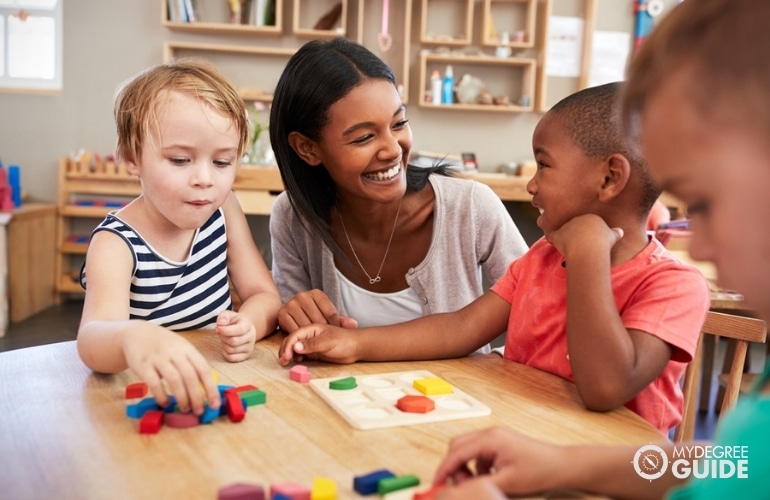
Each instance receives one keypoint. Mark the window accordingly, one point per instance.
(31, 45)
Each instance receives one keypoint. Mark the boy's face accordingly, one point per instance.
(566, 182)
(722, 172)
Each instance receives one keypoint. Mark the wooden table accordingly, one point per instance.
(64, 432)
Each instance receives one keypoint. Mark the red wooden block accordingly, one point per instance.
(136, 390)
(235, 409)
(243, 388)
(241, 491)
(151, 422)
(416, 404)
(428, 494)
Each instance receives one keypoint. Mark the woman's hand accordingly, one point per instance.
(313, 306)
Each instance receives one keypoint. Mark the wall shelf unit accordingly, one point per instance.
(512, 76)
(212, 19)
(309, 14)
(88, 191)
(446, 22)
(515, 17)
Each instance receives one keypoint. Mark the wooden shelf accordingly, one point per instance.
(516, 17)
(306, 11)
(208, 26)
(452, 25)
(520, 84)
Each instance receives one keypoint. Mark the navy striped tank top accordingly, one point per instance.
(177, 295)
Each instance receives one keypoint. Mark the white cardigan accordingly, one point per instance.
(472, 232)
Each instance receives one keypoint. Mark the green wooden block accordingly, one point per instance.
(253, 397)
(343, 384)
(391, 484)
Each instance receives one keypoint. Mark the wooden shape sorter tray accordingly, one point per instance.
(372, 403)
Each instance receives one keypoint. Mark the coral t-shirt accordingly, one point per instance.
(654, 292)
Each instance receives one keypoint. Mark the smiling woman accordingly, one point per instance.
(360, 237)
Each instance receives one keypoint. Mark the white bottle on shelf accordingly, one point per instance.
(435, 87)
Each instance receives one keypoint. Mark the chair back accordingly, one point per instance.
(743, 330)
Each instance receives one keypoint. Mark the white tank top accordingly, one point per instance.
(377, 309)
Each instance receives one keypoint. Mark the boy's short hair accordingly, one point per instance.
(138, 99)
(725, 47)
(591, 117)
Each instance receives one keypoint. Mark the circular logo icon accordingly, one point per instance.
(650, 461)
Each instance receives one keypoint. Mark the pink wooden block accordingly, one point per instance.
(181, 420)
(291, 490)
(299, 373)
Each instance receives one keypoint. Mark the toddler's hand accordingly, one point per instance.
(238, 336)
(157, 355)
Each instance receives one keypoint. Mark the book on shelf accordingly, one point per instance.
(181, 11)
(259, 12)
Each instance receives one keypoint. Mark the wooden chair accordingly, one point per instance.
(741, 328)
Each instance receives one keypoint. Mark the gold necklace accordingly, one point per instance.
(377, 278)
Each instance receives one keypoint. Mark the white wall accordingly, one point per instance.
(107, 41)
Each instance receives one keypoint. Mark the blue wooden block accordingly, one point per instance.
(209, 415)
(367, 484)
(137, 410)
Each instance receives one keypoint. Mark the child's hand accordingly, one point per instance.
(238, 336)
(324, 342)
(309, 307)
(513, 462)
(156, 355)
(585, 232)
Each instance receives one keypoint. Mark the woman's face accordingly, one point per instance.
(721, 169)
(366, 142)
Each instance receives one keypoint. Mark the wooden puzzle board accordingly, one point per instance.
(372, 404)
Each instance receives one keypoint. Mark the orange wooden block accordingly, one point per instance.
(415, 404)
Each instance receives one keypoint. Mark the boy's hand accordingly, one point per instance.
(513, 462)
(323, 342)
(238, 336)
(313, 306)
(156, 355)
(584, 231)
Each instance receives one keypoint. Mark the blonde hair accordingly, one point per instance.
(723, 45)
(137, 102)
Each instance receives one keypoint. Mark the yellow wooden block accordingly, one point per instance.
(323, 489)
(433, 386)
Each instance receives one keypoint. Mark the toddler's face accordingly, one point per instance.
(188, 165)
(722, 172)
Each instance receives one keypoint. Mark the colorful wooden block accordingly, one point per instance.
(415, 404)
(209, 415)
(299, 373)
(253, 398)
(241, 491)
(433, 386)
(151, 422)
(343, 384)
(429, 494)
(291, 491)
(323, 489)
(181, 420)
(136, 390)
(236, 411)
(367, 484)
(137, 410)
(388, 484)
